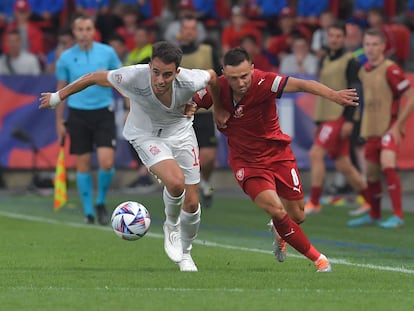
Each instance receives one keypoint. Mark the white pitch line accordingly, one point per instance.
(205, 243)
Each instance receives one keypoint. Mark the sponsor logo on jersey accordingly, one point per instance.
(260, 81)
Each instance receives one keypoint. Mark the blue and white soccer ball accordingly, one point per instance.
(130, 220)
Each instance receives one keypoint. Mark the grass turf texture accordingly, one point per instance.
(52, 261)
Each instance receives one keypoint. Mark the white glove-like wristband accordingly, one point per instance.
(54, 100)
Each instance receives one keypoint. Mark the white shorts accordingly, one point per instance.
(185, 151)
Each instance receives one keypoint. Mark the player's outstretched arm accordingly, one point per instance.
(347, 97)
(51, 100)
(221, 115)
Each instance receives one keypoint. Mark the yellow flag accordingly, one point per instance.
(60, 193)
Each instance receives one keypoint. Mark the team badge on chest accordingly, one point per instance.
(240, 174)
(154, 150)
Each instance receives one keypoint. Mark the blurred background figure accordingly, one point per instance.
(256, 53)
(16, 60)
(238, 26)
(118, 44)
(201, 56)
(301, 61)
(320, 35)
(279, 44)
(142, 51)
(172, 32)
(64, 41)
(31, 35)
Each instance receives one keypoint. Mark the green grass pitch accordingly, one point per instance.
(53, 261)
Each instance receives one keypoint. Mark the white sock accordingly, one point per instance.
(190, 222)
(173, 207)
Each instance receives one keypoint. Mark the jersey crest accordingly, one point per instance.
(240, 174)
(238, 112)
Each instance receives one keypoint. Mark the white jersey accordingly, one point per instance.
(148, 117)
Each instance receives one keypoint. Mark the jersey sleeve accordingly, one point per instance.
(203, 99)
(122, 79)
(274, 82)
(200, 79)
(397, 80)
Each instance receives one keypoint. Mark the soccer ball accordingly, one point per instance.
(130, 220)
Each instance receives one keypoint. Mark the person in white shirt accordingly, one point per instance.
(16, 60)
(159, 127)
(301, 61)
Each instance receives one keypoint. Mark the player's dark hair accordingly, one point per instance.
(167, 52)
(339, 25)
(235, 57)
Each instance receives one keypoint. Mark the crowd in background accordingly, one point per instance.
(284, 35)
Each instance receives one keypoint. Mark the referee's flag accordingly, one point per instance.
(60, 193)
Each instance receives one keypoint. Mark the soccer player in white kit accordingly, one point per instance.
(159, 127)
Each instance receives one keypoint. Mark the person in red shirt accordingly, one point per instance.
(33, 38)
(258, 57)
(238, 27)
(259, 152)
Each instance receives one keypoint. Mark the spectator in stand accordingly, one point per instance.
(239, 26)
(32, 37)
(319, 43)
(141, 54)
(65, 40)
(143, 6)
(17, 60)
(280, 44)
(47, 13)
(301, 61)
(255, 51)
(184, 8)
(309, 11)
(130, 18)
(118, 44)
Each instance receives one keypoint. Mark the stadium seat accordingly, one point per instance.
(402, 39)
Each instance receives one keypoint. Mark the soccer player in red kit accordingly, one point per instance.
(384, 85)
(259, 152)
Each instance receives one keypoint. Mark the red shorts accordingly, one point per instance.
(282, 177)
(328, 136)
(374, 146)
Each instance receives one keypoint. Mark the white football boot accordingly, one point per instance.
(172, 242)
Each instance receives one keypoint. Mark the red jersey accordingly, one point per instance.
(253, 130)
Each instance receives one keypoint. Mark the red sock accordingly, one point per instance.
(294, 236)
(394, 190)
(365, 194)
(316, 193)
(374, 191)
